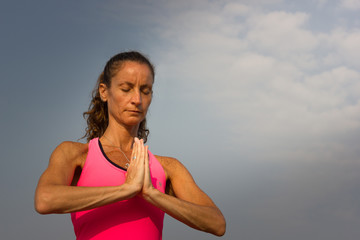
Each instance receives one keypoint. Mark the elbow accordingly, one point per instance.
(220, 232)
(217, 225)
(220, 227)
(41, 209)
(42, 204)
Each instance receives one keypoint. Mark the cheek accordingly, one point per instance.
(121, 99)
(147, 101)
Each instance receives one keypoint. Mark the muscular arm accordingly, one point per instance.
(55, 195)
(189, 204)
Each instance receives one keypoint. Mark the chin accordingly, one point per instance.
(134, 121)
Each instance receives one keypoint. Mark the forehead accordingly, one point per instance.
(134, 71)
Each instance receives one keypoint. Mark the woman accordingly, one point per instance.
(113, 186)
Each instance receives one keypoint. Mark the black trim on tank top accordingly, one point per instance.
(103, 152)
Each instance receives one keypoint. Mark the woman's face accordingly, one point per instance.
(130, 93)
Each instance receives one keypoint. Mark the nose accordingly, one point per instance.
(136, 98)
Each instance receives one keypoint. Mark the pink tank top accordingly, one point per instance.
(129, 219)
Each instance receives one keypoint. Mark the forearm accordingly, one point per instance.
(65, 199)
(204, 218)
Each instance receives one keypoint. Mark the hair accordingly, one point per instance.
(97, 115)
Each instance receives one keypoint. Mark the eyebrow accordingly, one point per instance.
(132, 85)
(127, 83)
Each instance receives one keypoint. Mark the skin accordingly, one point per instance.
(128, 98)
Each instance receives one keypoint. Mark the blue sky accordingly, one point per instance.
(259, 100)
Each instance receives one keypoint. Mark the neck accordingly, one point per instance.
(121, 135)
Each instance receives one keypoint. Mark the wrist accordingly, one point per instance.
(150, 194)
(131, 190)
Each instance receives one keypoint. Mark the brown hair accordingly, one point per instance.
(97, 115)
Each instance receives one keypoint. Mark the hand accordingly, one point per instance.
(148, 186)
(136, 171)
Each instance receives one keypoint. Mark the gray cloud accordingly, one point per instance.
(260, 105)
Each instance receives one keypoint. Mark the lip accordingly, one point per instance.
(134, 111)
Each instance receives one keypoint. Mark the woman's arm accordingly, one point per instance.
(190, 204)
(55, 195)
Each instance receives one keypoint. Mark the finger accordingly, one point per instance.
(147, 175)
(134, 152)
(146, 157)
(141, 151)
(135, 149)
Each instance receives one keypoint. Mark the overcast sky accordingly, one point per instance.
(260, 99)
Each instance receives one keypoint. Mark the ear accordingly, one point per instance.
(103, 91)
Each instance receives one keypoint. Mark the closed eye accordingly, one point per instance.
(147, 91)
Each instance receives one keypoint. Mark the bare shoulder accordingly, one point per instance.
(164, 160)
(172, 166)
(168, 162)
(181, 183)
(64, 160)
(71, 151)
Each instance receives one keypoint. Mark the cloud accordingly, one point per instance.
(267, 74)
(277, 83)
(260, 96)
(236, 9)
(281, 33)
(344, 46)
(350, 4)
(321, 3)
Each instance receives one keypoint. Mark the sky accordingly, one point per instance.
(259, 99)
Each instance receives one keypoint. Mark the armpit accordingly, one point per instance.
(76, 176)
(169, 189)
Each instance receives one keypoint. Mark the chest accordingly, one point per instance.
(107, 169)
